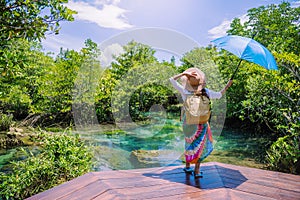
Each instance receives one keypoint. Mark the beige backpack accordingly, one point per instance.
(197, 109)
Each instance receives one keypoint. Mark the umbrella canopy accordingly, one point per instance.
(247, 49)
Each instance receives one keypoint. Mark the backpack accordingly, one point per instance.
(197, 109)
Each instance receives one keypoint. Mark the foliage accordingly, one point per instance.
(273, 98)
(140, 89)
(56, 88)
(5, 121)
(103, 97)
(146, 97)
(63, 157)
(135, 54)
(31, 19)
(21, 65)
(284, 154)
(85, 86)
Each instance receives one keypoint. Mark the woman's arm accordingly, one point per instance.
(178, 76)
(229, 83)
(218, 95)
(177, 85)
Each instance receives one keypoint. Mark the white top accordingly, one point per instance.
(184, 92)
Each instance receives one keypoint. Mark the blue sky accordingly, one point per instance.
(99, 20)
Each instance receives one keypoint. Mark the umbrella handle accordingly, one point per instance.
(236, 69)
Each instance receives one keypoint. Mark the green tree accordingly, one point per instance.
(21, 62)
(140, 89)
(56, 88)
(85, 86)
(135, 54)
(31, 19)
(21, 65)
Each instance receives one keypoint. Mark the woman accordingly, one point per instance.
(198, 137)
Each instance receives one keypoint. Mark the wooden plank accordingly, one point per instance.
(262, 190)
(240, 195)
(289, 195)
(111, 195)
(65, 188)
(215, 194)
(155, 191)
(88, 192)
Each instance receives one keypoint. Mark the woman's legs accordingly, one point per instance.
(188, 168)
(197, 168)
(197, 172)
(187, 165)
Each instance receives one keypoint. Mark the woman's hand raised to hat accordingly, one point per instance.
(190, 74)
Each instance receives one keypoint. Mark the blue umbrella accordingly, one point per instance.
(247, 49)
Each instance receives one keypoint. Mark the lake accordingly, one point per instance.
(155, 145)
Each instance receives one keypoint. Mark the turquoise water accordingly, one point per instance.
(162, 145)
(15, 154)
(158, 144)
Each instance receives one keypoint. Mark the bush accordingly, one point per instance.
(284, 154)
(5, 121)
(63, 157)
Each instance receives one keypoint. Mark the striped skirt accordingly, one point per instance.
(198, 142)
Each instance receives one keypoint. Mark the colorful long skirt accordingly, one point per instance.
(198, 142)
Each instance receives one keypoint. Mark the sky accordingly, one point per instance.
(198, 21)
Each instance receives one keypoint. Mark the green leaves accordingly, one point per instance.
(275, 26)
(284, 154)
(71, 79)
(20, 65)
(64, 156)
(31, 19)
(5, 121)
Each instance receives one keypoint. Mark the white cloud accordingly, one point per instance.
(221, 29)
(105, 2)
(107, 54)
(108, 16)
(53, 43)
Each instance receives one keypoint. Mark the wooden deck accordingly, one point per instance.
(220, 181)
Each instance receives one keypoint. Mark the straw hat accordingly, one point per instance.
(193, 83)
